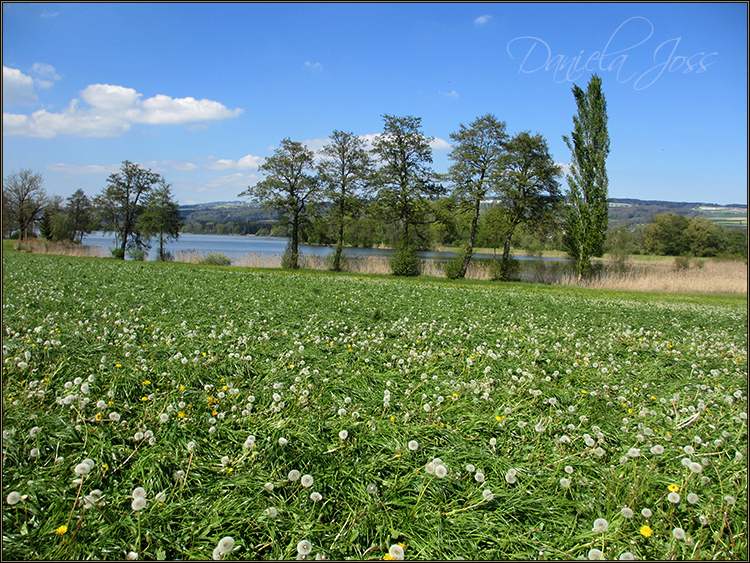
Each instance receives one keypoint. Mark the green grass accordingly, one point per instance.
(470, 369)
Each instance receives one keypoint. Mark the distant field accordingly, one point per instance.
(151, 410)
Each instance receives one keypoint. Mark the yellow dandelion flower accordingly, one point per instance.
(182, 387)
(214, 413)
(147, 382)
(144, 399)
(393, 419)
(646, 531)
(98, 416)
(180, 414)
(674, 488)
(118, 365)
(61, 530)
(498, 418)
(388, 557)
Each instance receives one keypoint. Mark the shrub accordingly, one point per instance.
(118, 253)
(404, 261)
(215, 259)
(455, 268)
(290, 259)
(504, 271)
(137, 254)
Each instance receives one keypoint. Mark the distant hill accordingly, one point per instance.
(248, 218)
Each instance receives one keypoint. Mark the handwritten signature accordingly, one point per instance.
(571, 68)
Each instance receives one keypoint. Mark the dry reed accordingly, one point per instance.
(41, 246)
(713, 276)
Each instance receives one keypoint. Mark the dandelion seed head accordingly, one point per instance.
(139, 503)
(430, 468)
(678, 534)
(692, 498)
(294, 475)
(565, 483)
(730, 500)
(487, 495)
(569, 469)
(283, 441)
(82, 469)
(272, 512)
(626, 513)
(397, 552)
(304, 547)
(316, 497)
(695, 467)
(226, 545)
(343, 434)
(413, 445)
(479, 477)
(307, 481)
(139, 492)
(163, 417)
(601, 525)
(627, 556)
(441, 471)
(14, 497)
(114, 416)
(595, 554)
(674, 498)
(646, 513)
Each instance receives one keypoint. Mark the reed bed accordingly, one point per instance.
(40, 246)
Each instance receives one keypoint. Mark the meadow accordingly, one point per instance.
(178, 411)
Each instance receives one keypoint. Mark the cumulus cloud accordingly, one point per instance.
(313, 66)
(481, 20)
(113, 109)
(246, 162)
(451, 94)
(17, 88)
(439, 144)
(45, 75)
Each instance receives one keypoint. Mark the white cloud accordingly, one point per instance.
(184, 166)
(17, 88)
(45, 75)
(113, 110)
(439, 144)
(88, 169)
(565, 168)
(313, 66)
(238, 180)
(245, 163)
(315, 145)
(481, 20)
(451, 94)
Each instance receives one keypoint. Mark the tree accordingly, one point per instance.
(665, 234)
(345, 174)
(79, 212)
(405, 179)
(25, 200)
(476, 157)
(45, 225)
(586, 212)
(121, 203)
(290, 189)
(161, 218)
(529, 191)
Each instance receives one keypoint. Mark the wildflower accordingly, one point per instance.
(14, 497)
(730, 500)
(510, 476)
(163, 417)
(226, 544)
(82, 469)
(569, 470)
(595, 554)
(678, 534)
(316, 497)
(343, 434)
(413, 445)
(307, 481)
(692, 498)
(441, 471)
(674, 498)
(293, 475)
(397, 552)
(657, 449)
(304, 547)
(601, 525)
(139, 503)
(674, 488)
(487, 495)
(114, 416)
(372, 488)
(272, 512)
(626, 513)
(564, 483)
(647, 513)
(646, 531)
(627, 556)
(479, 476)
(283, 441)
(139, 492)
(61, 530)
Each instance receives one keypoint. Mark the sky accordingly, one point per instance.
(203, 93)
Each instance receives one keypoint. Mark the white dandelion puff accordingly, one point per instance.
(283, 441)
(413, 445)
(316, 497)
(595, 554)
(487, 495)
(114, 416)
(268, 487)
(646, 513)
(626, 513)
(441, 471)
(479, 477)
(226, 545)
(307, 481)
(82, 469)
(343, 434)
(397, 552)
(692, 498)
(678, 534)
(673, 497)
(601, 525)
(139, 492)
(14, 497)
(139, 503)
(272, 512)
(304, 547)
(565, 483)
(293, 475)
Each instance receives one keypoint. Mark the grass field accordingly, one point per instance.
(179, 411)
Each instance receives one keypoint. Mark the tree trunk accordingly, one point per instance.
(295, 241)
(472, 237)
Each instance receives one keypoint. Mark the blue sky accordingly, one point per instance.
(202, 93)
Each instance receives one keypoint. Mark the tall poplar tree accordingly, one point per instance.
(586, 212)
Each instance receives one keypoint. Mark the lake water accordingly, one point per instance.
(235, 246)
(541, 269)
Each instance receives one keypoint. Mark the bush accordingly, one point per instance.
(455, 268)
(404, 261)
(137, 254)
(215, 259)
(503, 271)
(118, 253)
(290, 259)
(330, 262)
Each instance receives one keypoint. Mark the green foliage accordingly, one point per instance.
(587, 209)
(118, 253)
(504, 269)
(215, 259)
(137, 254)
(24, 201)
(290, 258)
(404, 261)
(161, 218)
(45, 226)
